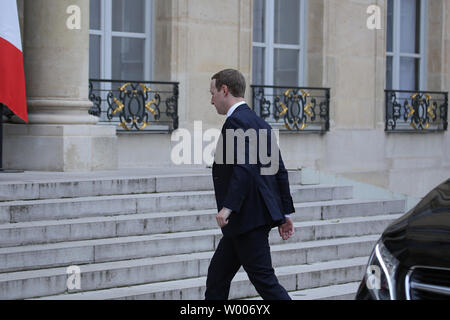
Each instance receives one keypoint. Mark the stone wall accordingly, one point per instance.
(353, 66)
(197, 38)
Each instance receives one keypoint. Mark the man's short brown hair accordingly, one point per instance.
(233, 79)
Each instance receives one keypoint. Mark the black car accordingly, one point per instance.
(411, 261)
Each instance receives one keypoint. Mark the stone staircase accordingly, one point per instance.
(152, 237)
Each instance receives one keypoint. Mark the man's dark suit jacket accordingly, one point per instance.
(255, 199)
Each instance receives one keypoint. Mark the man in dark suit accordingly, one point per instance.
(250, 201)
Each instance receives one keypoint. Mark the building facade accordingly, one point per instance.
(356, 88)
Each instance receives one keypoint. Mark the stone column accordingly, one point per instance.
(56, 61)
(61, 135)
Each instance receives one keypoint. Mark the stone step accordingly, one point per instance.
(346, 291)
(42, 210)
(159, 266)
(51, 209)
(36, 210)
(59, 186)
(42, 232)
(103, 187)
(351, 208)
(51, 231)
(31, 257)
(293, 278)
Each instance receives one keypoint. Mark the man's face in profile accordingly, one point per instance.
(218, 98)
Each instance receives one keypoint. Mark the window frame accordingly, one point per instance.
(269, 44)
(397, 55)
(106, 38)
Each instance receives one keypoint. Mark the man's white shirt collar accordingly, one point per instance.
(231, 110)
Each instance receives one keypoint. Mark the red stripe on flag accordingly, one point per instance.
(12, 79)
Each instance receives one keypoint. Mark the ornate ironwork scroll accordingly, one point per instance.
(293, 109)
(96, 109)
(416, 111)
(135, 105)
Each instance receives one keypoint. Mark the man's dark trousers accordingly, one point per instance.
(252, 251)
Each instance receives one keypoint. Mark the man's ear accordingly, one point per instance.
(225, 89)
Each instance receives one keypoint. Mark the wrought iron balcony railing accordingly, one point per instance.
(416, 111)
(135, 105)
(293, 109)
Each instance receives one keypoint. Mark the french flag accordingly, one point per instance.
(12, 76)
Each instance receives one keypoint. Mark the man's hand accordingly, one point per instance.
(286, 230)
(222, 217)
